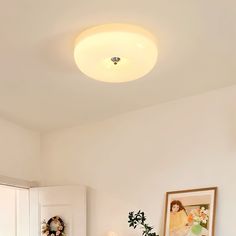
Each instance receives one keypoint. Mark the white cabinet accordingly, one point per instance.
(67, 202)
(14, 211)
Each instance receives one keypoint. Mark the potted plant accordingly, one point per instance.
(139, 219)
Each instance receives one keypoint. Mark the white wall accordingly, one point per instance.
(130, 161)
(19, 152)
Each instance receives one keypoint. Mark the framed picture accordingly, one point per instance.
(190, 212)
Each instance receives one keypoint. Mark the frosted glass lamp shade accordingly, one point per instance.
(115, 52)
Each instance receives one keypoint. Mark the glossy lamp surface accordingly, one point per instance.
(115, 52)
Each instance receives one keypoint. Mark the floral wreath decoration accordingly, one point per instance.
(54, 227)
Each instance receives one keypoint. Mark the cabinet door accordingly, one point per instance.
(67, 202)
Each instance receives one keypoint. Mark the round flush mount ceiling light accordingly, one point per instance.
(115, 52)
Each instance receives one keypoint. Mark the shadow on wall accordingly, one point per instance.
(108, 212)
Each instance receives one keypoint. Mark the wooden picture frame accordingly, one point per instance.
(190, 212)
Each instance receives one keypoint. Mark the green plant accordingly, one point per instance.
(139, 218)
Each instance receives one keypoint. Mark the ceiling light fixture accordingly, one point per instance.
(115, 52)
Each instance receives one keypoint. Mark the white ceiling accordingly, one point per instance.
(41, 88)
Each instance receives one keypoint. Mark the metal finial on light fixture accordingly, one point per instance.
(115, 60)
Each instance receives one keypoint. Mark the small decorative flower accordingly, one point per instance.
(190, 218)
